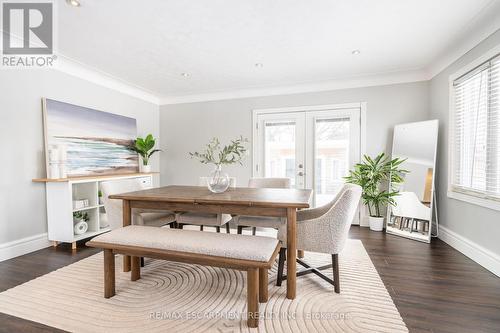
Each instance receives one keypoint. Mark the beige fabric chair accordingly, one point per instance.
(324, 230)
(255, 222)
(205, 219)
(114, 209)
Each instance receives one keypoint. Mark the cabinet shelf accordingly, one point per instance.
(89, 234)
(60, 196)
(86, 208)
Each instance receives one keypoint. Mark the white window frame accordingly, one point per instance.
(470, 198)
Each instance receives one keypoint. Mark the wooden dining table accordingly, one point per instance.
(235, 201)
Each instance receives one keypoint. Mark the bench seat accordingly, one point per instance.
(232, 246)
(252, 254)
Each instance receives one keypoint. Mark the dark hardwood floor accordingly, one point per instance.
(434, 287)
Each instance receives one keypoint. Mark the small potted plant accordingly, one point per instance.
(80, 220)
(372, 174)
(218, 181)
(145, 148)
(99, 195)
(80, 216)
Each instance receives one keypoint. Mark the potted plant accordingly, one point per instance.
(218, 181)
(372, 174)
(80, 216)
(80, 220)
(145, 148)
(99, 195)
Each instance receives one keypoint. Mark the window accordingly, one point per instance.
(475, 135)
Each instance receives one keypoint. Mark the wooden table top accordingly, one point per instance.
(263, 197)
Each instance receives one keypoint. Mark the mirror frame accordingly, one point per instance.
(435, 123)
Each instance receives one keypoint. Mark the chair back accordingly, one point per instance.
(114, 207)
(337, 220)
(408, 205)
(269, 183)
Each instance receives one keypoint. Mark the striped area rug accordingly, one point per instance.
(176, 297)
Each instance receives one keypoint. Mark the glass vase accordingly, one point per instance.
(218, 180)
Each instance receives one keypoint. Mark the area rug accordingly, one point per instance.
(176, 297)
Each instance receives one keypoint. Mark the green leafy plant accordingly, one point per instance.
(215, 154)
(77, 216)
(371, 174)
(144, 147)
(99, 194)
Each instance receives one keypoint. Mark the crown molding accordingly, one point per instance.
(72, 67)
(486, 23)
(346, 83)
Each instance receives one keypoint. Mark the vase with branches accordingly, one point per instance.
(218, 155)
(374, 175)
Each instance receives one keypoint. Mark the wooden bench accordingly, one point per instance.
(252, 254)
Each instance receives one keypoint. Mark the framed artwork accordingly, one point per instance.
(88, 142)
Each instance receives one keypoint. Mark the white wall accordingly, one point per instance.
(466, 226)
(188, 127)
(22, 203)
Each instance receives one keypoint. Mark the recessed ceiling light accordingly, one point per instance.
(356, 52)
(185, 74)
(259, 65)
(74, 3)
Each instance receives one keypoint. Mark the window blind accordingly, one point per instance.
(476, 132)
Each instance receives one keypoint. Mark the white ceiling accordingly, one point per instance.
(149, 44)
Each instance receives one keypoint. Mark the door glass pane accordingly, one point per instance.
(279, 148)
(331, 157)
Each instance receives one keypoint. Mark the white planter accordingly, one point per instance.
(376, 223)
(145, 168)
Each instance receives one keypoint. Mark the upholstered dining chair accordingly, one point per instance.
(255, 222)
(114, 209)
(205, 219)
(323, 230)
(409, 208)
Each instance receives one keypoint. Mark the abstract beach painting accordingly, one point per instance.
(96, 142)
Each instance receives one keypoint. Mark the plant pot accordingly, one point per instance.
(376, 223)
(80, 227)
(145, 168)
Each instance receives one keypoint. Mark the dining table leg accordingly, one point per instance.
(291, 255)
(127, 220)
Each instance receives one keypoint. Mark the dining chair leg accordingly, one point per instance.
(181, 226)
(227, 228)
(201, 228)
(254, 231)
(109, 273)
(142, 261)
(240, 230)
(300, 254)
(217, 229)
(281, 266)
(336, 275)
(263, 285)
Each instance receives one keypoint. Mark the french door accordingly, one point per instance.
(314, 148)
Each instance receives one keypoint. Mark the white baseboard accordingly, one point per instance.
(22, 246)
(479, 254)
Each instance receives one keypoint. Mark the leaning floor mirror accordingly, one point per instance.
(411, 214)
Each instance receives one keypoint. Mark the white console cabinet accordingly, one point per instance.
(60, 196)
